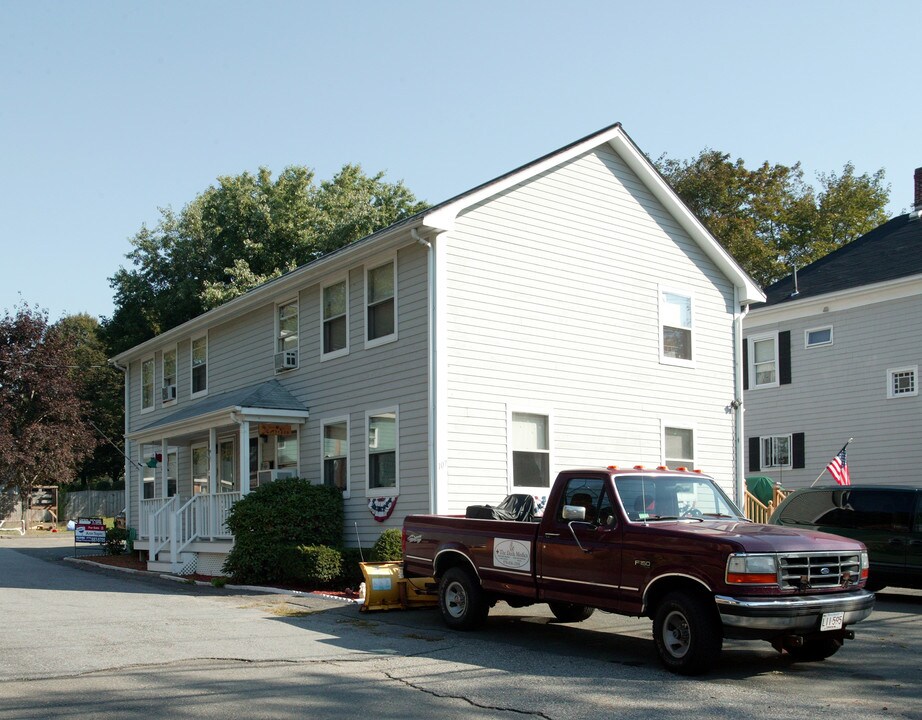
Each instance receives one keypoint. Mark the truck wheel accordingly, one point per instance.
(815, 649)
(570, 612)
(462, 601)
(687, 633)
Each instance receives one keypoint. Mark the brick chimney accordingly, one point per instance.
(918, 201)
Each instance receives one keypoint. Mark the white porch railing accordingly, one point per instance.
(161, 526)
(202, 517)
(148, 509)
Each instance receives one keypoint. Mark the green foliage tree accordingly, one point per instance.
(246, 230)
(43, 434)
(277, 517)
(768, 218)
(101, 387)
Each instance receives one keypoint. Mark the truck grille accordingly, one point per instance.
(819, 570)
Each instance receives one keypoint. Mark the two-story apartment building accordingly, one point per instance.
(571, 312)
(833, 354)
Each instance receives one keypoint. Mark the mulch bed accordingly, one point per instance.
(133, 562)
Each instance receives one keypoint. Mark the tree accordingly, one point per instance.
(238, 234)
(101, 387)
(768, 218)
(43, 436)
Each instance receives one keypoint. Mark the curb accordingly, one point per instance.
(202, 583)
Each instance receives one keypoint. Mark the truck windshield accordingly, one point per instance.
(667, 497)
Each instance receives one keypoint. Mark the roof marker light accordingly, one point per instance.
(638, 467)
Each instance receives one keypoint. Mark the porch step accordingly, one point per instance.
(164, 565)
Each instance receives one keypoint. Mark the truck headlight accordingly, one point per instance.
(752, 570)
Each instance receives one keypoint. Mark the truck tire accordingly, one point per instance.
(687, 633)
(815, 648)
(570, 612)
(462, 600)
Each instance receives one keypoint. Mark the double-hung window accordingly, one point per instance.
(199, 365)
(335, 319)
(679, 446)
(286, 335)
(147, 384)
(336, 453)
(382, 452)
(531, 453)
(764, 361)
(168, 365)
(380, 299)
(676, 327)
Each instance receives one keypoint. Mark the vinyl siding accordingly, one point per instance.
(553, 306)
(839, 391)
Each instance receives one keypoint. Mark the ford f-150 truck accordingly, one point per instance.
(664, 544)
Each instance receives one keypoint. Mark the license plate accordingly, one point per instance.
(832, 621)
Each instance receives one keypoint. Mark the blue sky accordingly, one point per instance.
(111, 110)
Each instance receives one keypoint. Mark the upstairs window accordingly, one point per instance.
(287, 327)
(200, 365)
(764, 362)
(676, 322)
(147, 384)
(531, 451)
(380, 298)
(901, 382)
(818, 337)
(335, 314)
(168, 364)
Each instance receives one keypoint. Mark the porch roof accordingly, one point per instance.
(265, 402)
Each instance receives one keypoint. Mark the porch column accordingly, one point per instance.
(244, 457)
(164, 471)
(212, 461)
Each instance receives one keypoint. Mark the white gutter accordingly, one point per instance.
(737, 404)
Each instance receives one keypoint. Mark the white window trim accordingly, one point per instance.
(790, 463)
(163, 353)
(752, 340)
(343, 351)
(808, 345)
(200, 393)
(382, 492)
(678, 425)
(914, 369)
(338, 420)
(662, 290)
(526, 409)
(384, 339)
(153, 384)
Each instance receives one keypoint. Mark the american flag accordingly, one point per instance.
(838, 468)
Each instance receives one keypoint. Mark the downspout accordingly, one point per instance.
(737, 404)
(431, 370)
(127, 453)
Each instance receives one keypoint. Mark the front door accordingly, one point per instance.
(580, 562)
(227, 466)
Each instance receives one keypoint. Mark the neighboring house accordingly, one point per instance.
(833, 354)
(572, 312)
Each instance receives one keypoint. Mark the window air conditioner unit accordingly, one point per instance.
(267, 476)
(286, 360)
(168, 393)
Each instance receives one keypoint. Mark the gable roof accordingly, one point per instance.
(441, 217)
(888, 252)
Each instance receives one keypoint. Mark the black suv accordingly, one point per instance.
(886, 518)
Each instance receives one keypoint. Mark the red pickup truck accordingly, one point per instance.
(664, 544)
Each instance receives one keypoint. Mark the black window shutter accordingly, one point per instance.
(745, 363)
(784, 358)
(755, 461)
(797, 451)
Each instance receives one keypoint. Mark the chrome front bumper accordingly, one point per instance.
(793, 614)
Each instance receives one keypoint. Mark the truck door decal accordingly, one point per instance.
(513, 554)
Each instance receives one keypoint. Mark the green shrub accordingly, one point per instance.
(387, 547)
(276, 517)
(312, 565)
(116, 540)
(351, 573)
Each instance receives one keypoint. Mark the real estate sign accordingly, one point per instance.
(90, 530)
